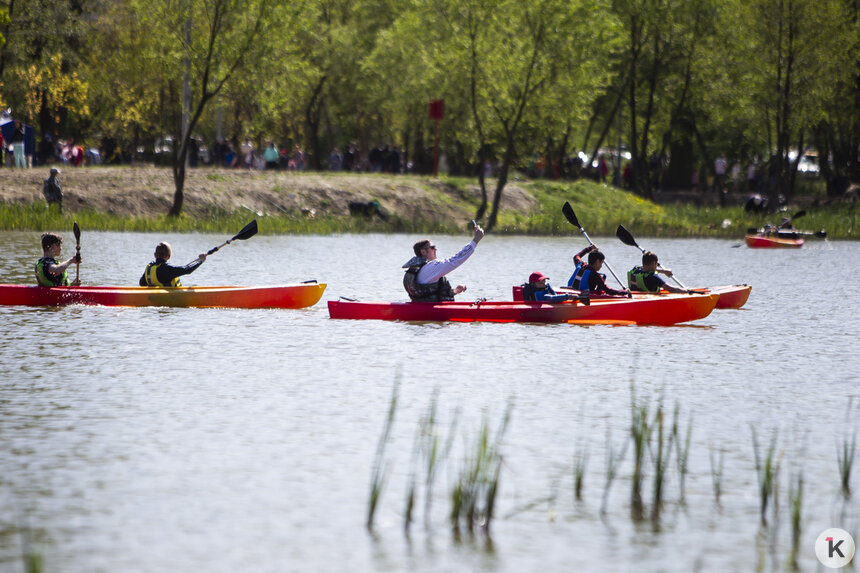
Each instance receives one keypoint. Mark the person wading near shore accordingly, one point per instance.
(50, 273)
(645, 278)
(159, 274)
(425, 275)
(52, 190)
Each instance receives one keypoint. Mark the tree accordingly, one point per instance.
(215, 39)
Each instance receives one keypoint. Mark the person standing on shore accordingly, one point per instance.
(17, 142)
(52, 190)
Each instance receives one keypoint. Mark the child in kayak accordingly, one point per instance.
(538, 289)
(159, 274)
(586, 275)
(49, 272)
(645, 279)
(425, 280)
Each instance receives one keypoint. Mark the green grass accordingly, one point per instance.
(599, 208)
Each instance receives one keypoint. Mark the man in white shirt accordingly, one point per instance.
(425, 274)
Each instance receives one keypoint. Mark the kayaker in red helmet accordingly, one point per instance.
(586, 275)
(48, 271)
(538, 289)
(645, 279)
(425, 280)
(159, 274)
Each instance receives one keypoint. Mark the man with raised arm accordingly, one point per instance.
(425, 280)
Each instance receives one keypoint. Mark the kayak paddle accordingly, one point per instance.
(571, 217)
(77, 231)
(247, 232)
(627, 238)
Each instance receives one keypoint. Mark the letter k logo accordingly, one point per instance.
(831, 549)
(834, 548)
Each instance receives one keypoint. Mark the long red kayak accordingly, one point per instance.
(731, 296)
(763, 241)
(281, 296)
(661, 310)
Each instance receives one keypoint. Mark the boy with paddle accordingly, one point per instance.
(160, 274)
(645, 278)
(50, 273)
(586, 275)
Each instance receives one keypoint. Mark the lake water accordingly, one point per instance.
(219, 440)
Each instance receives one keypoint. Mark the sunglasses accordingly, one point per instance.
(431, 246)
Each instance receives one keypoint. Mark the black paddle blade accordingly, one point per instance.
(798, 215)
(570, 215)
(77, 231)
(247, 232)
(822, 234)
(625, 236)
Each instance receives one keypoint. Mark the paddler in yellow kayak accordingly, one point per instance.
(159, 274)
(49, 272)
(645, 279)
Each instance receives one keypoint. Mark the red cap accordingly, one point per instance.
(535, 277)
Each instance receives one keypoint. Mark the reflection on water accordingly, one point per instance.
(226, 440)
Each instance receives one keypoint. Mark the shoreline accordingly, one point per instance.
(138, 198)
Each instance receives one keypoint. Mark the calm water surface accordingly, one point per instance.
(243, 440)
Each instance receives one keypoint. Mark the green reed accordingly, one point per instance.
(845, 448)
(767, 469)
(640, 432)
(473, 497)
(661, 462)
(682, 450)
(717, 473)
(580, 462)
(379, 474)
(34, 560)
(795, 500)
(613, 460)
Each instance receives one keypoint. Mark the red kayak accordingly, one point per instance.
(768, 241)
(282, 296)
(657, 310)
(731, 296)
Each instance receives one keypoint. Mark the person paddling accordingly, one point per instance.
(538, 289)
(160, 274)
(586, 276)
(425, 280)
(50, 273)
(645, 279)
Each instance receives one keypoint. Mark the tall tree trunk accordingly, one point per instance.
(313, 113)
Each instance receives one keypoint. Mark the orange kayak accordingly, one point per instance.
(281, 296)
(656, 310)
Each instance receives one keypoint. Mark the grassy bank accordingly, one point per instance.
(412, 205)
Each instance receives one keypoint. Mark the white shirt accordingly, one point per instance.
(434, 270)
(720, 166)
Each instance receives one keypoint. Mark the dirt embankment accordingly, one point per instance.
(148, 191)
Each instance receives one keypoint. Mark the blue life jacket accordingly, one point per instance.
(581, 276)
